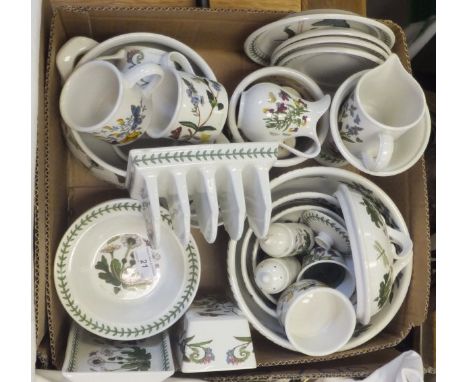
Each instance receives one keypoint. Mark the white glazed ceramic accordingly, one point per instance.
(335, 41)
(283, 77)
(214, 335)
(328, 232)
(376, 262)
(318, 320)
(261, 43)
(406, 152)
(100, 100)
(268, 112)
(228, 180)
(187, 107)
(337, 33)
(90, 49)
(97, 156)
(102, 276)
(330, 66)
(131, 56)
(92, 358)
(275, 275)
(324, 180)
(287, 239)
(386, 103)
(329, 267)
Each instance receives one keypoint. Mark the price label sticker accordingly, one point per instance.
(146, 263)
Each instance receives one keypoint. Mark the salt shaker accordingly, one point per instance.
(287, 239)
(275, 275)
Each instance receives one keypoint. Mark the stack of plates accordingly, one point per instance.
(327, 45)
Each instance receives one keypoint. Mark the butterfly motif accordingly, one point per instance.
(175, 134)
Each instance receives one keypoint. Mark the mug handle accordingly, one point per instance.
(403, 259)
(382, 159)
(138, 72)
(70, 51)
(170, 59)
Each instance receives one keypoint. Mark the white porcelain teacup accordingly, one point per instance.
(131, 56)
(386, 103)
(330, 267)
(269, 112)
(188, 108)
(99, 99)
(318, 320)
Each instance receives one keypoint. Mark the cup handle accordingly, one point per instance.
(302, 154)
(384, 155)
(70, 51)
(403, 241)
(170, 59)
(138, 72)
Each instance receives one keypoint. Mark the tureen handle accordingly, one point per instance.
(406, 245)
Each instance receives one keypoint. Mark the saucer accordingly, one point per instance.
(336, 33)
(261, 43)
(330, 66)
(415, 140)
(328, 41)
(113, 283)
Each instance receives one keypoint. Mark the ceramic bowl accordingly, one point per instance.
(290, 78)
(113, 283)
(324, 180)
(408, 148)
(376, 262)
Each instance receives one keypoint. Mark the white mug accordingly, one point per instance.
(270, 113)
(131, 56)
(318, 320)
(287, 239)
(98, 99)
(386, 102)
(188, 108)
(275, 275)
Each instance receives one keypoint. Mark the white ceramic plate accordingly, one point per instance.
(335, 32)
(284, 77)
(92, 358)
(325, 180)
(408, 148)
(330, 66)
(260, 44)
(95, 268)
(330, 41)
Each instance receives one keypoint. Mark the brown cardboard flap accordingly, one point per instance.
(218, 36)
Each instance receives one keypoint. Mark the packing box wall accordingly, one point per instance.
(64, 188)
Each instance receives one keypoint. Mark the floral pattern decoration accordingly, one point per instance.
(385, 287)
(199, 129)
(125, 130)
(121, 271)
(349, 122)
(239, 354)
(125, 358)
(210, 307)
(196, 352)
(287, 114)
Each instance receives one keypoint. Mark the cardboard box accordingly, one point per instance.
(65, 189)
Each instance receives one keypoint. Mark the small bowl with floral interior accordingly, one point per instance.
(113, 283)
(379, 251)
(90, 357)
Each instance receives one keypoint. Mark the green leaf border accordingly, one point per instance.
(102, 329)
(204, 155)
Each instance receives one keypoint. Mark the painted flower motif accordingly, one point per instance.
(130, 240)
(111, 248)
(97, 363)
(284, 96)
(209, 356)
(205, 138)
(230, 358)
(216, 85)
